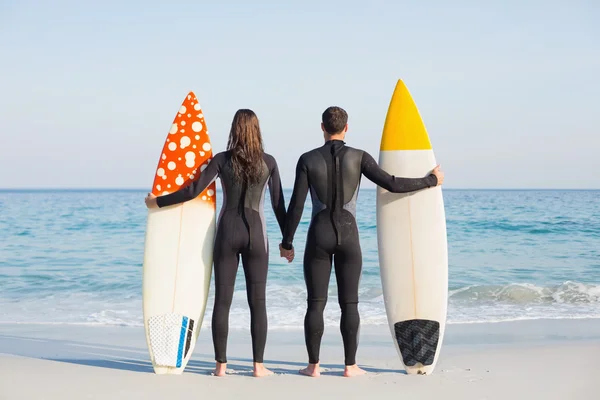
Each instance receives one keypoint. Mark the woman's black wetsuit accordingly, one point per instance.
(332, 173)
(241, 231)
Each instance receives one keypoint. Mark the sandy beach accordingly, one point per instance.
(542, 359)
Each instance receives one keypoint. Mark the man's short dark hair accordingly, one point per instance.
(334, 120)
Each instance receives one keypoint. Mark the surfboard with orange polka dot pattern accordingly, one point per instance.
(178, 248)
(186, 152)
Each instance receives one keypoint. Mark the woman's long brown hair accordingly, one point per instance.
(246, 146)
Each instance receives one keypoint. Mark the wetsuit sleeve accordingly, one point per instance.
(277, 200)
(294, 212)
(192, 190)
(394, 184)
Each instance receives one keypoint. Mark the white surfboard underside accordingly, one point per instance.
(413, 251)
(178, 258)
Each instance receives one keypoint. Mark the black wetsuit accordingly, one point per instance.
(332, 173)
(241, 231)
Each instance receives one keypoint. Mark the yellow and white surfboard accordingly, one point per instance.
(411, 232)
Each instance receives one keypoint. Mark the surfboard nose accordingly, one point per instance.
(186, 151)
(404, 128)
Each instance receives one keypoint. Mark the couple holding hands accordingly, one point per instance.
(332, 174)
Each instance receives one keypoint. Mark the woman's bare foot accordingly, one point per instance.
(220, 369)
(260, 370)
(353, 370)
(312, 370)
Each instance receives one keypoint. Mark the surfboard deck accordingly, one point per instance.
(178, 248)
(412, 240)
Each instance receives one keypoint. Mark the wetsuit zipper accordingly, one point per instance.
(335, 211)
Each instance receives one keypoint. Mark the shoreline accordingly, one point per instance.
(586, 326)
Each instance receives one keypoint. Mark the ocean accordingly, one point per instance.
(75, 257)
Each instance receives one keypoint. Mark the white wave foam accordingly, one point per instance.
(286, 305)
(568, 292)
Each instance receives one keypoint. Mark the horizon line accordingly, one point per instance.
(133, 189)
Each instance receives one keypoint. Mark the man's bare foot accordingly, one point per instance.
(312, 370)
(353, 370)
(220, 369)
(260, 370)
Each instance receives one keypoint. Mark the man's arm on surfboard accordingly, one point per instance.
(392, 183)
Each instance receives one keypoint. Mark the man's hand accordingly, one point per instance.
(151, 201)
(439, 174)
(287, 254)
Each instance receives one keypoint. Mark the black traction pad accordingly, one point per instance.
(418, 340)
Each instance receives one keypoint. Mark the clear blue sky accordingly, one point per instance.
(509, 91)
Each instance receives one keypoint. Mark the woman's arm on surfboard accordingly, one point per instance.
(296, 207)
(192, 190)
(392, 183)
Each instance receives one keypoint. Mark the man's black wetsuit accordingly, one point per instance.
(332, 173)
(241, 231)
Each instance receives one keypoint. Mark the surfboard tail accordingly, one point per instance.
(417, 340)
(171, 336)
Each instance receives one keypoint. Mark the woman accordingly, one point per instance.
(244, 169)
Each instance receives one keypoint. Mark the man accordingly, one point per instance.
(332, 173)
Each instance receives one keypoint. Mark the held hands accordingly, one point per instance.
(151, 201)
(287, 254)
(439, 174)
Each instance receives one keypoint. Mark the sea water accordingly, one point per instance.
(75, 257)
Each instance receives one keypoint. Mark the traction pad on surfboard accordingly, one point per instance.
(418, 340)
(170, 338)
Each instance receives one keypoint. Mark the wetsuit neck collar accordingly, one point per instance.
(335, 141)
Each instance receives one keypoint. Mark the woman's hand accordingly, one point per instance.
(287, 254)
(151, 201)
